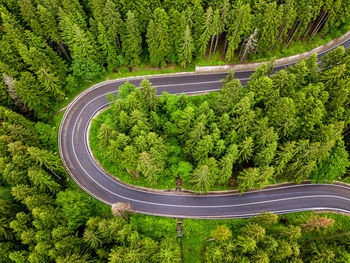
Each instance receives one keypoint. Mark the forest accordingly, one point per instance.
(52, 49)
(286, 126)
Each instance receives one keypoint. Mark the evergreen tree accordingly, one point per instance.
(109, 53)
(132, 40)
(157, 37)
(206, 31)
(238, 26)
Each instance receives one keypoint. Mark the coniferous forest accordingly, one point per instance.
(288, 126)
(50, 48)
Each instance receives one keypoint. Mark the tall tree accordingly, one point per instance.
(187, 46)
(206, 31)
(240, 23)
(131, 41)
(107, 49)
(157, 37)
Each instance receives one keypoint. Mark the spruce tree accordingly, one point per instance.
(131, 41)
(206, 31)
(187, 46)
(158, 37)
(238, 26)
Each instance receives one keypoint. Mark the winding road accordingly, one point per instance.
(73, 144)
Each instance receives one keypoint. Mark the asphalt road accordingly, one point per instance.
(74, 152)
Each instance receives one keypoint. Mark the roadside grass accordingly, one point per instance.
(196, 232)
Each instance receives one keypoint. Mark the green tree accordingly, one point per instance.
(177, 24)
(221, 233)
(206, 29)
(149, 94)
(187, 46)
(148, 167)
(108, 51)
(76, 207)
(113, 23)
(131, 41)
(169, 250)
(238, 26)
(42, 180)
(157, 37)
(201, 178)
(246, 149)
(334, 167)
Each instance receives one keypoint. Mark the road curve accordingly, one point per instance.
(74, 152)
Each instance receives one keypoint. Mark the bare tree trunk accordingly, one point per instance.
(325, 16)
(216, 43)
(211, 44)
(64, 51)
(294, 32)
(309, 26)
(281, 32)
(118, 42)
(225, 45)
(53, 172)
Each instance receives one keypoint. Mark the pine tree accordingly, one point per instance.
(187, 46)
(109, 53)
(196, 15)
(131, 44)
(288, 18)
(239, 26)
(157, 37)
(177, 24)
(28, 90)
(201, 179)
(247, 179)
(148, 167)
(206, 29)
(246, 149)
(149, 94)
(49, 23)
(268, 19)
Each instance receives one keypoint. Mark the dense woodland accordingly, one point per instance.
(283, 126)
(266, 239)
(49, 48)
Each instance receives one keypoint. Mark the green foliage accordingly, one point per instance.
(271, 241)
(289, 125)
(50, 49)
(132, 39)
(334, 167)
(157, 37)
(76, 207)
(47, 135)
